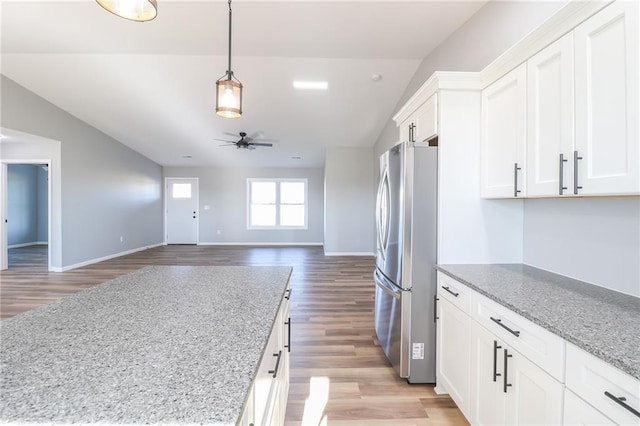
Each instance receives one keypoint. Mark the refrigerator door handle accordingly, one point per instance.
(382, 213)
(381, 282)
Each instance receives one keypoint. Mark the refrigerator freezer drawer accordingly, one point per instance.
(391, 323)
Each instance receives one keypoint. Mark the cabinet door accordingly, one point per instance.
(579, 413)
(607, 136)
(503, 136)
(532, 396)
(550, 119)
(487, 399)
(453, 348)
(405, 130)
(426, 120)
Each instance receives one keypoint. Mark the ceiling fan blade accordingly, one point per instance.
(235, 135)
(257, 135)
(251, 147)
(260, 144)
(267, 140)
(223, 140)
(228, 144)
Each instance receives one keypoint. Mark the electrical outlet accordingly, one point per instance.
(219, 232)
(121, 238)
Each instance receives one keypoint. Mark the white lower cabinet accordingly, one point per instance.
(454, 338)
(267, 399)
(605, 388)
(507, 388)
(578, 413)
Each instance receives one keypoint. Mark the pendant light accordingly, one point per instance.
(229, 89)
(134, 10)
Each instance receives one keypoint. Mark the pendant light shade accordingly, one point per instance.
(229, 89)
(134, 10)
(228, 97)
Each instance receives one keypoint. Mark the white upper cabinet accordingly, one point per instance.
(422, 124)
(606, 101)
(504, 106)
(550, 123)
(426, 120)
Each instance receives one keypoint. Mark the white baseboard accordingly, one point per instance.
(349, 253)
(102, 259)
(34, 243)
(440, 390)
(292, 244)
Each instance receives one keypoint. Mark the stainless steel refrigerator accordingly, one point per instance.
(405, 277)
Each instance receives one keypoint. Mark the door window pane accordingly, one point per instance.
(181, 190)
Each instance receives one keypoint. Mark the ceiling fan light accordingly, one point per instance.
(228, 98)
(133, 10)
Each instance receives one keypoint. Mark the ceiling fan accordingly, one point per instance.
(247, 142)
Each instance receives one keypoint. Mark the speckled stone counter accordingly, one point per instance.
(165, 344)
(603, 322)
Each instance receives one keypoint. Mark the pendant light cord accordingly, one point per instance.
(229, 72)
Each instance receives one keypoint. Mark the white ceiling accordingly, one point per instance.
(151, 85)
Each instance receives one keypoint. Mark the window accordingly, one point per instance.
(277, 203)
(181, 190)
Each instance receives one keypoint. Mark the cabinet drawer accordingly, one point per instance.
(590, 377)
(534, 342)
(455, 292)
(579, 413)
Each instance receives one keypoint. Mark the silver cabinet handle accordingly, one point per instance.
(622, 401)
(515, 179)
(499, 322)
(504, 383)
(274, 372)
(451, 291)
(576, 157)
(495, 360)
(562, 188)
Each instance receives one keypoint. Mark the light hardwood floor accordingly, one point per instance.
(339, 375)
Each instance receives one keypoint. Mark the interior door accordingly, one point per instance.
(182, 210)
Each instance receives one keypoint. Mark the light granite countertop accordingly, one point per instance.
(165, 344)
(603, 322)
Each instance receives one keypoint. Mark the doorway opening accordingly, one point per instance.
(30, 213)
(27, 216)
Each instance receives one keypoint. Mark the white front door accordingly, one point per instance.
(181, 210)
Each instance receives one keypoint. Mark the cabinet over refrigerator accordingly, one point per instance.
(405, 277)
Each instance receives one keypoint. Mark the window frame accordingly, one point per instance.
(277, 226)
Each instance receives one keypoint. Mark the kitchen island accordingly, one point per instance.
(165, 344)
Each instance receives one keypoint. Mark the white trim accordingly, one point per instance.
(438, 80)
(102, 259)
(4, 195)
(349, 253)
(33, 243)
(280, 244)
(572, 14)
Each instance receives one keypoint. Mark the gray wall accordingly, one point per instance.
(26, 205)
(108, 190)
(225, 191)
(349, 201)
(485, 36)
(592, 239)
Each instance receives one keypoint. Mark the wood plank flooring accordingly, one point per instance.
(339, 375)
